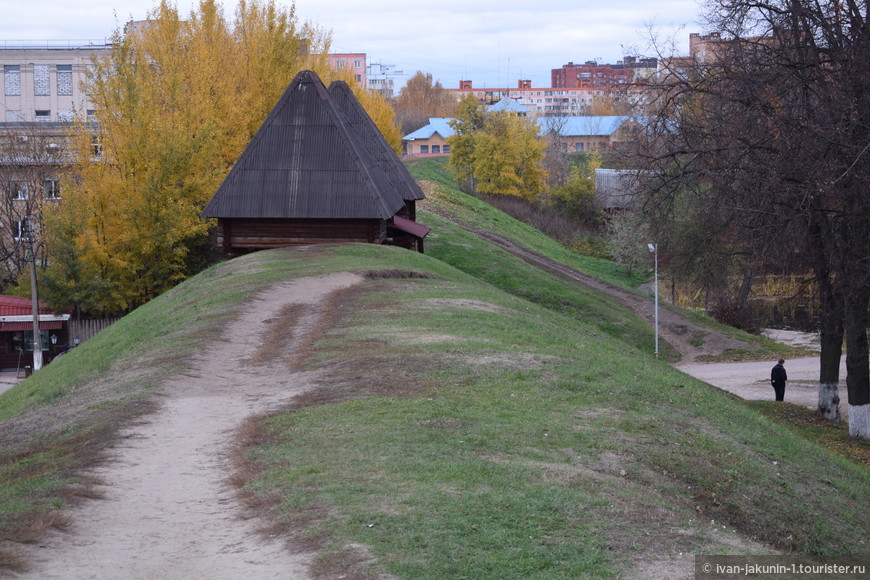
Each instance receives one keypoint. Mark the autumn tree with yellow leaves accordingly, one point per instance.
(497, 152)
(177, 101)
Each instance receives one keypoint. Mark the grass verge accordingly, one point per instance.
(464, 432)
(812, 426)
(478, 421)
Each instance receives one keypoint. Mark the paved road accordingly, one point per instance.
(8, 380)
(751, 380)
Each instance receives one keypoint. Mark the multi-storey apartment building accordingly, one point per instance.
(593, 75)
(380, 78)
(42, 81)
(41, 93)
(550, 101)
(703, 49)
(353, 61)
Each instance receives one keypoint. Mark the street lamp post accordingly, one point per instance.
(655, 250)
(37, 336)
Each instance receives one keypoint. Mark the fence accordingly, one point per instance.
(88, 328)
(613, 188)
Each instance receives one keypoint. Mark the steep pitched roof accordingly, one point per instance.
(375, 142)
(305, 161)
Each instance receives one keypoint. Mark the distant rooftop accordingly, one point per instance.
(54, 44)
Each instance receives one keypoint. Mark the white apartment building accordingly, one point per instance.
(381, 78)
(40, 95)
(42, 81)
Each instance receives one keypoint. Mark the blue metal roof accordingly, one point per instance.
(437, 125)
(600, 126)
(596, 126)
(509, 105)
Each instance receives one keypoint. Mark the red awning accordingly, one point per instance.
(47, 325)
(410, 227)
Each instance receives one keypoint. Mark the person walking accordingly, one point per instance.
(778, 377)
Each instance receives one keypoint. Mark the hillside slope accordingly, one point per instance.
(481, 421)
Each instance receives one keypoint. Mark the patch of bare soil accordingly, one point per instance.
(168, 511)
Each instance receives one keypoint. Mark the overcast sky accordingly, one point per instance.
(493, 43)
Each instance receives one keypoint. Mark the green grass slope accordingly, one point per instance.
(474, 423)
(476, 215)
(470, 433)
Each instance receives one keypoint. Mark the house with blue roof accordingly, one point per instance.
(509, 105)
(429, 140)
(575, 134)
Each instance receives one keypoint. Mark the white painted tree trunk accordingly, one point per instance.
(859, 421)
(829, 401)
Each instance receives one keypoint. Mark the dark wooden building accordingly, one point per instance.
(317, 171)
(402, 229)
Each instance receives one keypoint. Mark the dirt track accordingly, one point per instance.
(693, 342)
(168, 511)
(749, 380)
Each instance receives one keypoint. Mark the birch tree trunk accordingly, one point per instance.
(831, 324)
(858, 366)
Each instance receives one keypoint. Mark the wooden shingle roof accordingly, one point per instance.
(306, 161)
(374, 140)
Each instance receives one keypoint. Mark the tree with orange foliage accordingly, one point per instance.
(420, 99)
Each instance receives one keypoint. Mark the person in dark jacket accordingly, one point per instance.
(778, 377)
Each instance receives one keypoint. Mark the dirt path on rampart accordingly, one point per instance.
(168, 511)
(748, 380)
(693, 342)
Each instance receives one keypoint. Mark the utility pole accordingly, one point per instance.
(37, 336)
(654, 248)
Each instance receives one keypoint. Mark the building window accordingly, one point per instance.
(357, 64)
(436, 149)
(13, 116)
(340, 64)
(21, 229)
(579, 147)
(41, 80)
(64, 79)
(12, 80)
(65, 116)
(424, 149)
(17, 190)
(51, 188)
(446, 149)
(24, 340)
(96, 146)
(43, 116)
